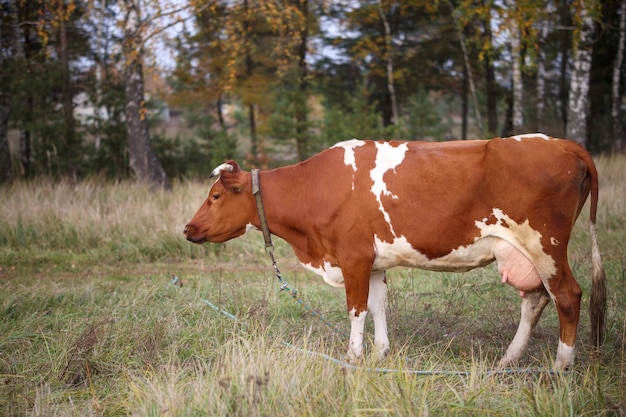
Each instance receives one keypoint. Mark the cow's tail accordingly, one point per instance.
(597, 305)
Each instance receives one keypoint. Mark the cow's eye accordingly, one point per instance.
(215, 196)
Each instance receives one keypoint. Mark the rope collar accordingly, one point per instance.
(256, 191)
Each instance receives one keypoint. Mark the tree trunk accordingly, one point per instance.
(389, 59)
(464, 103)
(5, 103)
(100, 113)
(21, 37)
(5, 152)
(254, 149)
(566, 43)
(249, 71)
(302, 128)
(507, 126)
(517, 87)
(579, 79)
(71, 142)
(468, 80)
(616, 99)
(25, 148)
(143, 160)
(490, 79)
(220, 114)
(541, 76)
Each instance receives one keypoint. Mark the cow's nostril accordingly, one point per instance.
(186, 231)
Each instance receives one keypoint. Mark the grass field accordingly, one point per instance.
(90, 323)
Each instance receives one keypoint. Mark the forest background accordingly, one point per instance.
(163, 89)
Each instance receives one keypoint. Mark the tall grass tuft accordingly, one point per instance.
(125, 222)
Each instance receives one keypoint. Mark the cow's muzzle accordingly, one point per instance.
(189, 234)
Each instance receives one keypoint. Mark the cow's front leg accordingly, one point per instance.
(357, 328)
(357, 284)
(376, 304)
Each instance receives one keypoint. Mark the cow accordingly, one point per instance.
(361, 207)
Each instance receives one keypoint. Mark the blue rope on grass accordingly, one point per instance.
(422, 372)
(348, 365)
(284, 286)
(310, 310)
(220, 310)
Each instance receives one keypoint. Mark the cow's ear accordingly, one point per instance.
(229, 166)
(232, 179)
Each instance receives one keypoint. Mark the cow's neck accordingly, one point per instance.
(284, 199)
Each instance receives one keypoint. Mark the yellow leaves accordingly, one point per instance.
(253, 90)
(53, 14)
(143, 111)
(366, 47)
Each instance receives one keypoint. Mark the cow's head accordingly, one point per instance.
(227, 211)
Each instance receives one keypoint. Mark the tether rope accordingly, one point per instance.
(432, 372)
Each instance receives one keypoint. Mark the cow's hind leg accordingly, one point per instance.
(533, 304)
(567, 296)
(376, 304)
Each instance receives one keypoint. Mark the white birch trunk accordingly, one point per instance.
(518, 90)
(579, 80)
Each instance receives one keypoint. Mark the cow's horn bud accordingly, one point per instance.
(219, 169)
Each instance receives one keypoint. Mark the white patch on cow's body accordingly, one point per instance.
(250, 227)
(564, 356)
(401, 253)
(516, 247)
(348, 153)
(523, 238)
(387, 158)
(348, 147)
(332, 275)
(554, 241)
(530, 135)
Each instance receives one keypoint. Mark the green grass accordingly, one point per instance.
(90, 324)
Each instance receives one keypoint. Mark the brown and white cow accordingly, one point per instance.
(361, 207)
